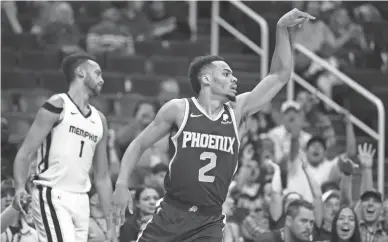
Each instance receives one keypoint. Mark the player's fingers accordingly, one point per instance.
(304, 14)
(359, 147)
(373, 152)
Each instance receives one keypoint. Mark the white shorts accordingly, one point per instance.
(60, 216)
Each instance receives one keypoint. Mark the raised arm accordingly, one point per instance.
(47, 116)
(281, 66)
(102, 178)
(167, 116)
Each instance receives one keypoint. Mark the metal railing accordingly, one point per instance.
(218, 21)
(378, 135)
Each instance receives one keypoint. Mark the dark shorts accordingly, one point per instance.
(173, 224)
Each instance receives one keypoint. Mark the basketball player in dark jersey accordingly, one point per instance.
(204, 144)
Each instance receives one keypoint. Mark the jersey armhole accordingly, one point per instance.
(62, 114)
(185, 117)
(234, 122)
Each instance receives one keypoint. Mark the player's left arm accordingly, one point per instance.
(101, 174)
(280, 72)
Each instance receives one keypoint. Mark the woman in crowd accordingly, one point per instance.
(345, 226)
(145, 200)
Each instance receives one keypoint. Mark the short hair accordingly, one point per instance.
(294, 207)
(71, 62)
(196, 66)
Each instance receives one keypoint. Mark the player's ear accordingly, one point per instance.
(288, 221)
(80, 72)
(206, 79)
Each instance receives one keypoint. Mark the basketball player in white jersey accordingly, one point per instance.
(70, 137)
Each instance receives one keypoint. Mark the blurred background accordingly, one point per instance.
(333, 102)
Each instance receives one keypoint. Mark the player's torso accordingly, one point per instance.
(204, 157)
(66, 156)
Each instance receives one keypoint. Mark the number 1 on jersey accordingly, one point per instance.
(82, 148)
(213, 161)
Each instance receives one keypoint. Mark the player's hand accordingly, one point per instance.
(122, 200)
(294, 17)
(366, 154)
(347, 165)
(21, 201)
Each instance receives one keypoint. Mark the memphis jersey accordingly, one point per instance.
(204, 156)
(65, 157)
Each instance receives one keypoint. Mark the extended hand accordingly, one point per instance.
(122, 200)
(365, 155)
(294, 17)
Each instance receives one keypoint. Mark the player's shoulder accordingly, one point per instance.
(56, 100)
(173, 107)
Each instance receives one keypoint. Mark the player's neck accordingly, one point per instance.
(211, 105)
(79, 96)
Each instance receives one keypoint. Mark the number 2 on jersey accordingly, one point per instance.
(213, 161)
(82, 148)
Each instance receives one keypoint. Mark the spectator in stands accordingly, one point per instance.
(290, 133)
(168, 26)
(8, 151)
(385, 216)
(155, 178)
(318, 38)
(97, 223)
(169, 89)
(345, 226)
(231, 230)
(143, 114)
(19, 229)
(61, 32)
(298, 226)
(110, 36)
(303, 186)
(145, 200)
(314, 119)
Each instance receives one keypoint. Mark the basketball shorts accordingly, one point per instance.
(60, 216)
(177, 224)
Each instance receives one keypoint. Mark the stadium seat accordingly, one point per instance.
(187, 49)
(113, 83)
(31, 102)
(150, 48)
(26, 41)
(147, 85)
(53, 80)
(126, 64)
(17, 79)
(8, 58)
(170, 65)
(103, 104)
(40, 60)
(125, 105)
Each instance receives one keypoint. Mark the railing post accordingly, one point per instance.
(215, 31)
(193, 19)
(381, 148)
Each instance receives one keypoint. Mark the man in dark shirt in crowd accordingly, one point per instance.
(298, 227)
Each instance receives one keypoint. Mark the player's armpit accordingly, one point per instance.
(100, 166)
(41, 127)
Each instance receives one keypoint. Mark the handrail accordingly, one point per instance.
(380, 134)
(218, 21)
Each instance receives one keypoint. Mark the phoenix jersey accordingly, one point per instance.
(65, 157)
(204, 156)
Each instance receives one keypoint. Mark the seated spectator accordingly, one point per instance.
(20, 229)
(231, 230)
(145, 200)
(132, 16)
(61, 32)
(169, 89)
(385, 216)
(345, 226)
(166, 25)
(8, 151)
(97, 223)
(155, 178)
(110, 35)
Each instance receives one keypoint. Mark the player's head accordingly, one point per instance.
(300, 220)
(83, 70)
(214, 74)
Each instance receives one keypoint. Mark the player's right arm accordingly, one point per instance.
(45, 119)
(167, 116)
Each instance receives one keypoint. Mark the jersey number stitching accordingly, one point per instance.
(82, 148)
(213, 161)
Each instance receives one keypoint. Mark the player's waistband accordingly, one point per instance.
(204, 210)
